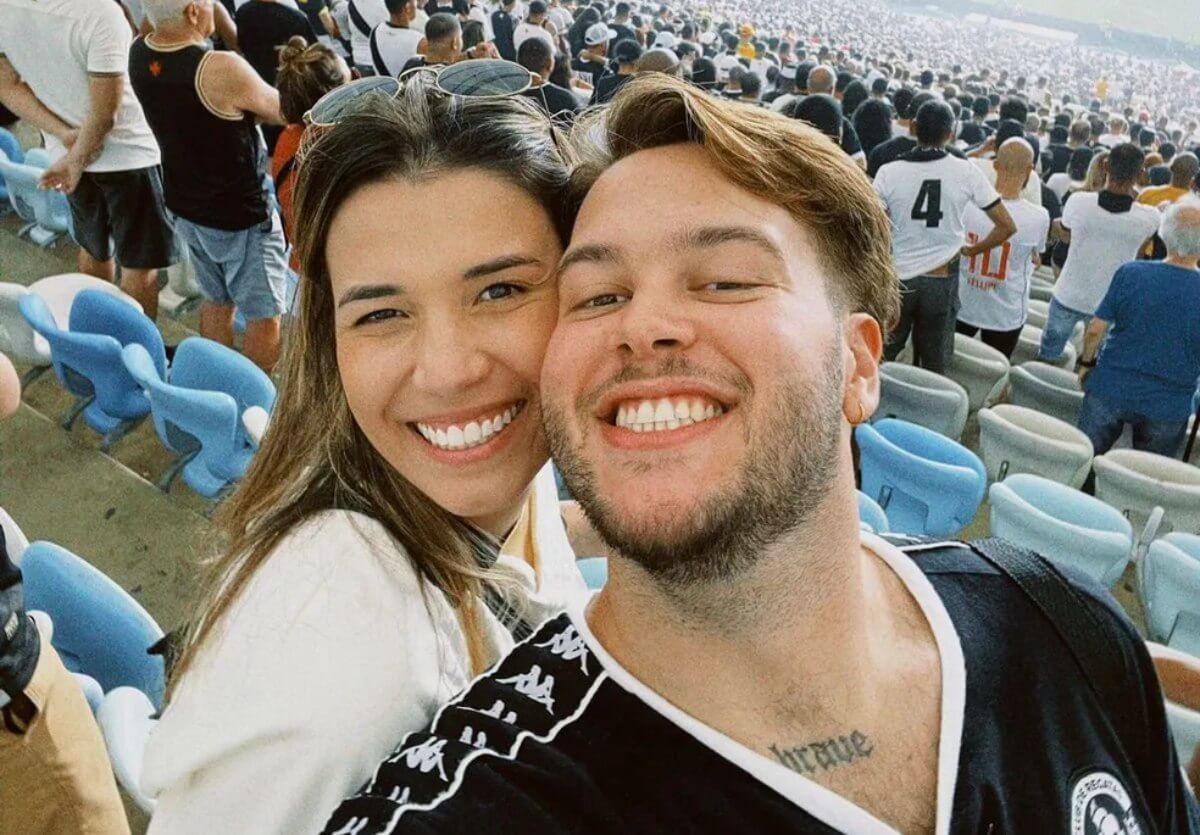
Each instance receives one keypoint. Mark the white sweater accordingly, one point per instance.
(332, 653)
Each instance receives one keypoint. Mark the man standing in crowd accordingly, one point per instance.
(822, 80)
(926, 194)
(626, 54)
(62, 69)
(1077, 137)
(590, 63)
(756, 663)
(900, 144)
(263, 27)
(560, 103)
(1105, 229)
(394, 42)
(202, 106)
(994, 288)
(534, 26)
(363, 16)
(620, 24)
(1145, 374)
(503, 28)
(1183, 168)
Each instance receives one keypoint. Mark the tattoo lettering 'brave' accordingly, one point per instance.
(823, 756)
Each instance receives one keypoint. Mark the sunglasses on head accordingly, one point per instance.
(487, 78)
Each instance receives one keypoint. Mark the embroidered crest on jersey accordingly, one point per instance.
(1100, 805)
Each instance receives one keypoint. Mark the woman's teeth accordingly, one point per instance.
(665, 414)
(470, 434)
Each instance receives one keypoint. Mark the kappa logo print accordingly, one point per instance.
(353, 826)
(499, 710)
(475, 740)
(533, 685)
(568, 645)
(425, 757)
(1100, 805)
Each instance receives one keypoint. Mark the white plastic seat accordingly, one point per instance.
(1185, 730)
(922, 397)
(1030, 343)
(126, 718)
(1016, 439)
(1136, 482)
(15, 541)
(182, 291)
(978, 368)
(1170, 587)
(1041, 291)
(1047, 389)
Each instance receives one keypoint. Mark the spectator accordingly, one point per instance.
(855, 94)
(823, 112)
(926, 194)
(1105, 229)
(202, 107)
(264, 26)
(626, 54)
(504, 28)
(621, 24)
(436, 533)
(443, 44)
(1145, 374)
(704, 75)
(590, 64)
(1184, 168)
(660, 60)
(873, 124)
(363, 16)
(63, 65)
(1071, 178)
(306, 72)
(975, 132)
(1116, 133)
(535, 25)
(394, 42)
(751, 88)
(536, 56)
(994, 291)
(898, 146)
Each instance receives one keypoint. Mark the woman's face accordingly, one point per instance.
(444, 301)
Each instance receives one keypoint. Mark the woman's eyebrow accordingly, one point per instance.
(366, 292)
(504, 262)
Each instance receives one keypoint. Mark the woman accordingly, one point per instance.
(399, 528)
(306, 72)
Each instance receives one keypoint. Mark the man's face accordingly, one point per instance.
(693, 386)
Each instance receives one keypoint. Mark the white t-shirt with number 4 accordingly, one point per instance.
(926, 201)
(993, 287)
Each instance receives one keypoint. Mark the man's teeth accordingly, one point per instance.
(469, 435)
(664, 414)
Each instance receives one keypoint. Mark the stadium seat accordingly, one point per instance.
(99, 630)
(15, 541)
(11, 149)
(46, 213)
(1170, 587)
(1049, 390)
(1041, 291)
(1188, 543)
(1185, 730)
(87, 359)
(594, 571)
(1030, 343)
(1016, 439)
(182, 292)
(870, 515)
(922, 397)
(1136, 482)
(978, 368)
(126, 718)
(198, 412)
(1038, 311)
(1062, 524)
(254, 421)
(926, 483)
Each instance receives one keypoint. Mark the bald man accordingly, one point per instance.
(822, 80)
(993, 292)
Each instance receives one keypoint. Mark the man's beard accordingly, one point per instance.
(790, 464)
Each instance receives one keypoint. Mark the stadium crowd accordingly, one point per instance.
(681, 218)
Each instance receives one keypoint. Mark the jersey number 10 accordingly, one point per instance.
(1001, 272)
(928, 206)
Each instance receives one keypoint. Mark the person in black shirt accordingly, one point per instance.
(975, 132)
(626, 54)
(1059, 150)
(536, 56)
(443, 43)
(590, 63)
(620, 24)
(755, 662)
(263, 27)
(503, 28)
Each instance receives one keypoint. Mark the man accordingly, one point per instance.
(1077, 137)
(559, 103)
(896, 147)
(1116, 133)
(926, 193)
(1105, 229)
(394, 42)
(620, 24)
(263, 27)
(443, 44)
(62, 69)
(590, 63)
(823, 80)
(535, 25)
(1183, 168)
(994, 290)
(503, 28)
(1146, 374)
(751, 89)
(626, 54)
(745, 48)
(202, 106)
(755, 663)
(363, 16)
(975, 132)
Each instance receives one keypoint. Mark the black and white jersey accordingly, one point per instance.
(926, 193)
(559, 738)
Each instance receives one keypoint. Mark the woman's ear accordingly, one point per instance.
(863, 349)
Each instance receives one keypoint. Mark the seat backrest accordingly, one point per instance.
(210, 366)
(870, 514)
(1014, 439)
(99, 629)
(1172, 585)
(17, 338)
(1188, 543)
(1068, 505)
(1135, 482)
(922, 397)
(10, 149)
(21, 183)
(52, 210)
(594, 571)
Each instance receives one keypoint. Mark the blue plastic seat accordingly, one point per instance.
(927, 484)
(1062, 524)
(1188, 543)
(46, 213)
(198, 412)
(87, 358)
(870, 515)
(1170, 589)
(594, 571)
(11, 149)
(99, 629)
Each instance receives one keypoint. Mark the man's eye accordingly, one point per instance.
(725, 285)
(605, 300)
(380, 316)
(495, 292)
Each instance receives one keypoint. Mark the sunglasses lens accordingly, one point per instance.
(483, 77)
(334, 104)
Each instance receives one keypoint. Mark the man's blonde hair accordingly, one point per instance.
(776, 158)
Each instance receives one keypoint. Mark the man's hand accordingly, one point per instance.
(483, 50)
(63, 174)
(968, 251)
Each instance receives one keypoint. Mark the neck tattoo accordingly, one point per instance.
(815, 757)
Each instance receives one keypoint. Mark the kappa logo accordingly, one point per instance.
(534, 686)
(1100, 805)
(498, 710)
(425, 757)
(568, 645)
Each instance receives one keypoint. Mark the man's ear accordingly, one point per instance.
(863, 342)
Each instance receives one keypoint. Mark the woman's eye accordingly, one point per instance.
(380, 316)
(605, 300)
(725, 285)
(495, 292)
